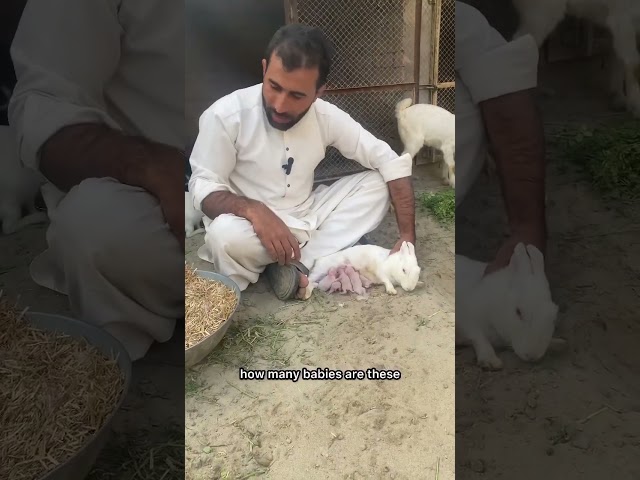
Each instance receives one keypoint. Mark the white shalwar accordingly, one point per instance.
(487, 66)
(238, 151)
(121, 63)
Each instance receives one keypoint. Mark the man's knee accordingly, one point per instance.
(372, 177)
(111, 225)
(373, 181)
(233, 235)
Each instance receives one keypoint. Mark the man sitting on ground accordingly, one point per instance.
(98, 110)
(253, 171)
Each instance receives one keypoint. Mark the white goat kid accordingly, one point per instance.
(432, 126)
(621, 17)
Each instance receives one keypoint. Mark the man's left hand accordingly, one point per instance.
(404, 203)
(398, 245)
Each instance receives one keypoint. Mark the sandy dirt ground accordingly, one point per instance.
(150, 423)
(576, 414)
(333, 429)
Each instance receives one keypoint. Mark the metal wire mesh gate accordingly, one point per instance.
(382, 55)
(444, 77)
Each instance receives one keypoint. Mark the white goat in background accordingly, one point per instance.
(424, 124)
(621, 17)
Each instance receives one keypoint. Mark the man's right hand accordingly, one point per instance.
(136, 161)
(162, 175)
(274, 234)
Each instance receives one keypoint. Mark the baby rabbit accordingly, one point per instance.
(511, 307)
(192, 217)
(424, 124)
(330, 282)
(356, 280)
(19, 187)
(375, 264)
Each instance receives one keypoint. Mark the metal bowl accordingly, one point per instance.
(204, 347)
(80, 464)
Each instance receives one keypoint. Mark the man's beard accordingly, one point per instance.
(281, 126)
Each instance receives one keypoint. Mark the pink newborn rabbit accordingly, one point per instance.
(344, 280)
(356, 281)
(326, 283)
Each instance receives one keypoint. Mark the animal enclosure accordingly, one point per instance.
(385, 51)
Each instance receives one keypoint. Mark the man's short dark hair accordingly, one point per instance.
(302, 46)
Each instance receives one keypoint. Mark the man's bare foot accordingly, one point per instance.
(302, 288)
(284, 283)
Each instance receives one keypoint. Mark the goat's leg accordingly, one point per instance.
(632, 92)
(624, 44)
(449, 165)
(616, 83)
(412, 147)
(444, 172)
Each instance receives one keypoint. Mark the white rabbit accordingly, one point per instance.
(424, 124)
(19, 187)
(511, 307)
(192, 217)
(375, 264)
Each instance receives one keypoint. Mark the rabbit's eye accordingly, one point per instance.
(518, 312)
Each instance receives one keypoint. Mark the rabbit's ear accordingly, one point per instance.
(537, 259)
(412, 250)
(520, 262)
(404, 248)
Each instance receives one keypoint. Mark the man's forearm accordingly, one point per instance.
(403, 199)
(516, 134)
(220, 203)
(83, 151)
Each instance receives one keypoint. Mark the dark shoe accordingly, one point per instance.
(364, 241)
(285, 279)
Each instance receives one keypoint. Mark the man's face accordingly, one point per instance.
(287, 96)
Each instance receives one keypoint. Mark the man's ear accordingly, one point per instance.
(264, 67)
(321, 91)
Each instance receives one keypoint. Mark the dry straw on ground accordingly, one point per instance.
(56, 392)
(207, 305)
